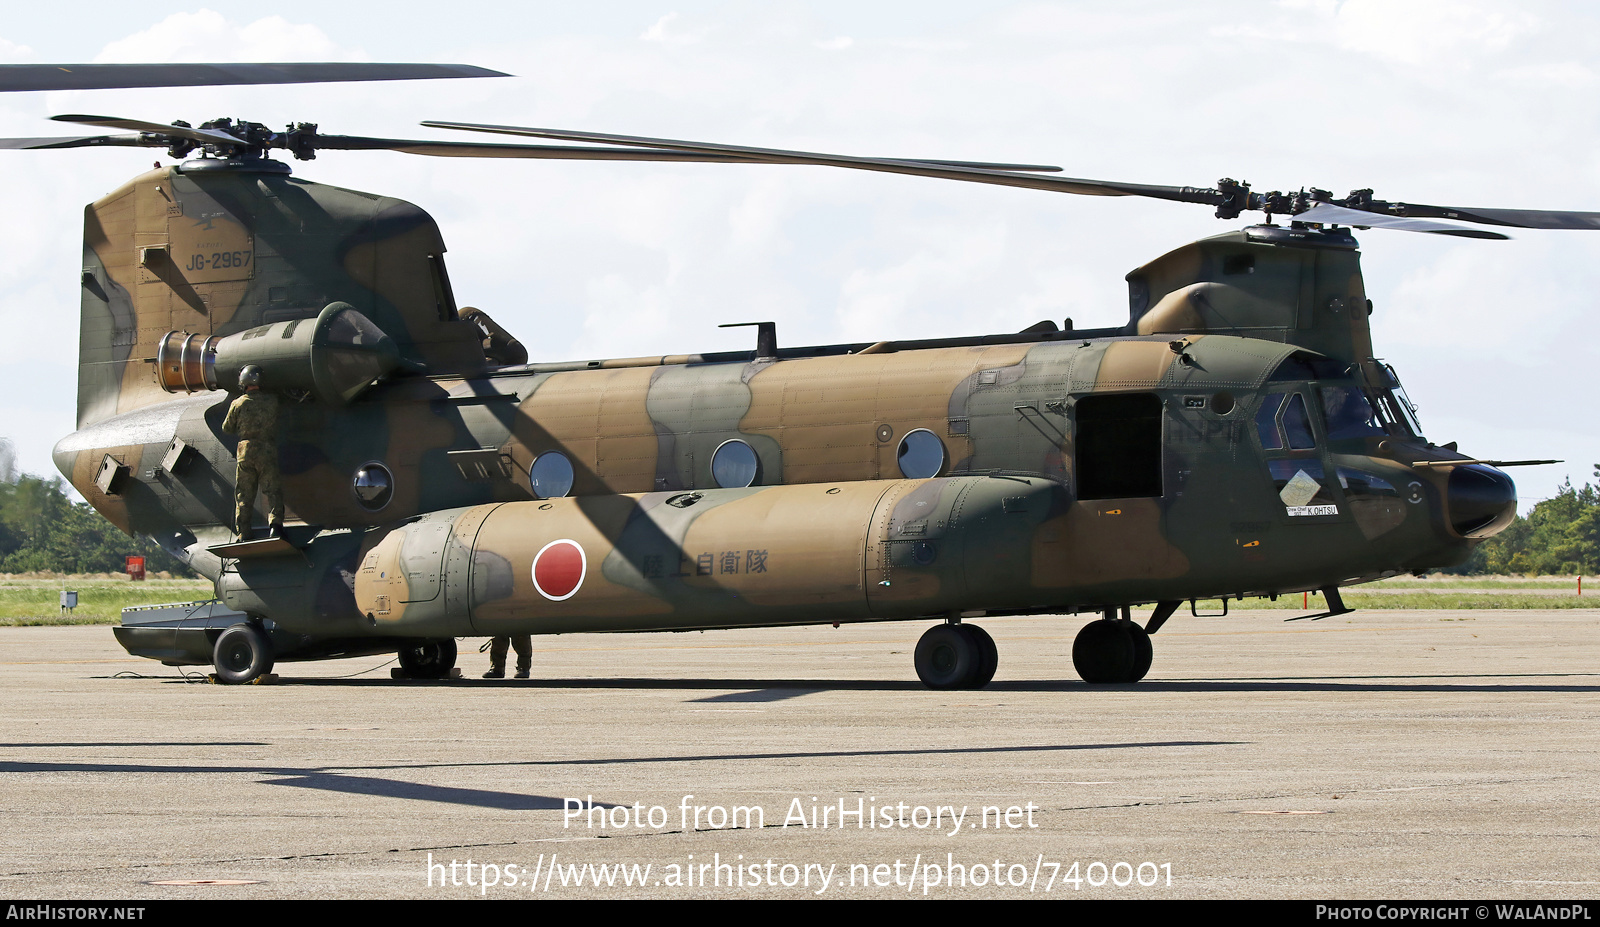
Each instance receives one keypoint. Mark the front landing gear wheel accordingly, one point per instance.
(242, 653)
(1143, 653)
(430, 659)
(947, 658)
(1112, 651)
(988, 656)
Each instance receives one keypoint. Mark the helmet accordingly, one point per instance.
(250, 376)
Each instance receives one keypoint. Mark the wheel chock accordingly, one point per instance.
(265, 679)
(396, 672)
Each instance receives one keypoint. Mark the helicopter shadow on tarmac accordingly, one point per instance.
(316, 778)
(772, 690)
(344, 782)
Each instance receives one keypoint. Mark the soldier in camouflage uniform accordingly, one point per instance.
(497, 655)
(254, 418)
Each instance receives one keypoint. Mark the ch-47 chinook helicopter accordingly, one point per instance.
(1235, 438)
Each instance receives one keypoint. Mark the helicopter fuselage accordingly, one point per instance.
(1236, 438)
(1053, 476)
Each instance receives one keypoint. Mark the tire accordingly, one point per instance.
(988, 656)
(1104, 652)
(1143, 653)
(946, 658)
(242, 654)
(429, 659)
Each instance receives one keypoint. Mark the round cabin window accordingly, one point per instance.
(921, 454)
(550, 476)
(735, 465)
(373, 486)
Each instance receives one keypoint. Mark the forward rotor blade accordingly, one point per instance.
(725, 153)
(1329, 214)
(203, 136)
(1514, 218)
(17, 77)
(440, 149)
(596, 153)
(943, 170)
(71, 141)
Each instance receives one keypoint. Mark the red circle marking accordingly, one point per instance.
(558, 569)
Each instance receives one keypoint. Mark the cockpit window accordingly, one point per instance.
(1356, 412)
(1267, 421)
(1408, 409)
(1395, 407)
(1395, 415)
(1296, 424)
(1283, 415)
(1350, 413)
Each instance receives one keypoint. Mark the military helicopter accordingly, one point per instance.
(1236, 437)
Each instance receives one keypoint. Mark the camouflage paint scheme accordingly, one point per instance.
(831, 531)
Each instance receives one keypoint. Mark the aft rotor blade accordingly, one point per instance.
(1329, 214)
(71, 141)
(918, 168)
(203, 136)
(17, 77)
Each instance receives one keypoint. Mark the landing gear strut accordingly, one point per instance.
(1112, 650)
(956, 656)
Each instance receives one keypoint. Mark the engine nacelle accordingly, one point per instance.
(334, 356)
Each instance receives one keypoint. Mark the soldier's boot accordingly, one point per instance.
(524, 647)
(243, 517)
(497, 658)
(274, 509)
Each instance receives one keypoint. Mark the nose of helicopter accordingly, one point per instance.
(1482, 500)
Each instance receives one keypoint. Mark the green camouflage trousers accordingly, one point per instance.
(258, 470)
(524, 645)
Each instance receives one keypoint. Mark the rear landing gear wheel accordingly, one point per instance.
(988, 656)
(1109, 651)
(430, 659)
(241, 655)
(947, 658)
(956, 656)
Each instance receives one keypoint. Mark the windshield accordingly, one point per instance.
(1350, 413)
(1403, 403)
(1355, 412)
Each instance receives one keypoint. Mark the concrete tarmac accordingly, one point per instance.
(1380, 755)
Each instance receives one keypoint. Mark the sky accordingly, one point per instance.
(1449, 102)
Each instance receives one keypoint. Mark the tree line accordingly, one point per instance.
(42, 529)
(1560, 535)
